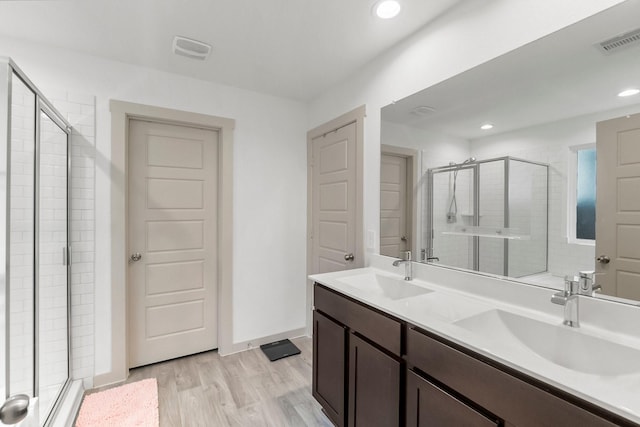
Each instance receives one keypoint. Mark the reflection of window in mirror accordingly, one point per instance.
(581, 208)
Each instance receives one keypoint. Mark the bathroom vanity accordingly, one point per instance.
(449, 348)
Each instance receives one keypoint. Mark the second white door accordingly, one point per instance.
(334, 201)
(172, 241)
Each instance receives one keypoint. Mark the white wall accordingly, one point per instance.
(269, 181)
(474, 32)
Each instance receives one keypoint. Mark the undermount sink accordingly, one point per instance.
(559, 344)
(440, 305)
(385, 286)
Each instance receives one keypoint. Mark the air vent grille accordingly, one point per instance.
(626, 40)
(191, 48)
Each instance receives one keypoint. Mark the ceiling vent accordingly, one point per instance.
(190, 48)
(632, 38)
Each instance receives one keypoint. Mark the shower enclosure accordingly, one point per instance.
(489, 216)
(34, 277)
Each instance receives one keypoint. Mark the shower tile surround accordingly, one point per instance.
(79, 111)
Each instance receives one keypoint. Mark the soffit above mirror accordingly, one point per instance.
(565, 74)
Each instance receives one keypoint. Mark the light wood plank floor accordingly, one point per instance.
(243, 389)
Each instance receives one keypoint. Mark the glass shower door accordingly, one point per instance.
(52, 294)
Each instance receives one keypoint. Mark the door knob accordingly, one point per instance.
(403, 238)
(603, 259)
(349, 257)
(135, 257)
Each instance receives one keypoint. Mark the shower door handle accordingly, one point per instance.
(14, 409)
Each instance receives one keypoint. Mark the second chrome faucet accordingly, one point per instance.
(573, 287)
(408, 271)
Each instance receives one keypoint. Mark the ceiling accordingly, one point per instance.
(559, 76)
(289, 48)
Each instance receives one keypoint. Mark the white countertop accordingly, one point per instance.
(448, 297)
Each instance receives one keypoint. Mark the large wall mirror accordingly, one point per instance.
(527, 166)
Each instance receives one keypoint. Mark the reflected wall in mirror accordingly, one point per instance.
(518, 197)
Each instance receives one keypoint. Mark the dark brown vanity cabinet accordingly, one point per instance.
(357, 365)
(371, 369)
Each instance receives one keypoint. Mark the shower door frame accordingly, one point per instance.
(476, 206)
(42, 105)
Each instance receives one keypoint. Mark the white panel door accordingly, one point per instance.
(394, 238)
(334, 200)
(173, 227)
(618, 206)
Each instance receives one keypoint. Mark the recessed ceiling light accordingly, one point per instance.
(486, 126)
(422, 110)
(386, 9)
(629, 92)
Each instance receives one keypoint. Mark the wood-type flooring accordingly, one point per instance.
(243, 389)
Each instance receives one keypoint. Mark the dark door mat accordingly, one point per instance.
(279, 349)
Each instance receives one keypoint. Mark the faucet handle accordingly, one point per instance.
(589, 275)
(571, 285)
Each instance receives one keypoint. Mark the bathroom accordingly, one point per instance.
(269, 204)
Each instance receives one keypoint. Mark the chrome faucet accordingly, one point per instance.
(573, 287)
(569, 298)
(408, 271)
(587, 284)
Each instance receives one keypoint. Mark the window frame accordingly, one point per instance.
(572, 195)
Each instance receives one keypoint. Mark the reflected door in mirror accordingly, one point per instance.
(394, 236)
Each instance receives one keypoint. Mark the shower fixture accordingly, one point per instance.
(452, 214)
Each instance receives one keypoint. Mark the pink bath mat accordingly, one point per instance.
(129, 405)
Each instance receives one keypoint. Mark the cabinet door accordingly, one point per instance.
(374, 386)
(329, 374)
(428, 405)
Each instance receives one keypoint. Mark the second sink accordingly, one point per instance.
(558, 344)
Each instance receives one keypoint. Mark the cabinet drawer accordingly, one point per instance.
(379, 328)
(516, 401)
(429, 405)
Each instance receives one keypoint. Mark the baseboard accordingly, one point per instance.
(66, 413)
(255, 343)
(108, 378)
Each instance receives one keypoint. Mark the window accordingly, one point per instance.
(582, 195)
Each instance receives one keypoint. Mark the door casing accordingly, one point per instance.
(121, 113)
(356, 116)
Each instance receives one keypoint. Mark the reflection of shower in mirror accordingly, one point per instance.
(452, 213)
